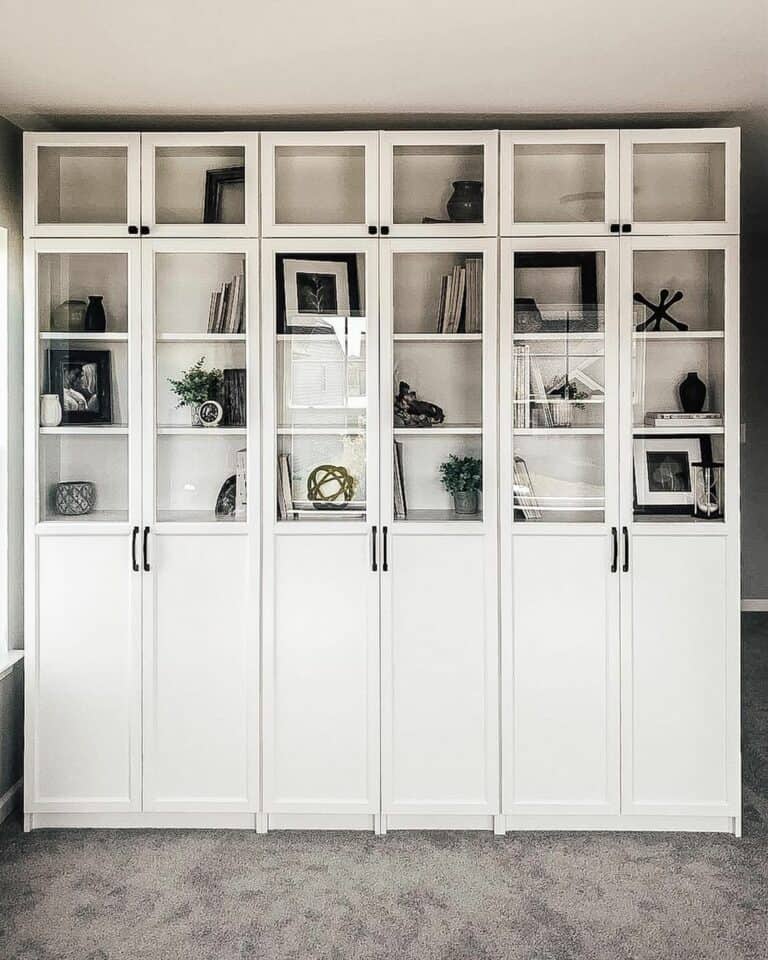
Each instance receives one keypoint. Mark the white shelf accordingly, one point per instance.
(440, 429)
(571, 335)
(679, 335)
(95, 516)
(320, 431)
(319, 336)
(201, 431)
(201, 338)
(437, 337)
(195, 516)
(676, 431)
(85, 430)
(81, 335)
(439, 516)
(558, 431)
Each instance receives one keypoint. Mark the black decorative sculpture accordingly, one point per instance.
(659, 311)
(411, 412)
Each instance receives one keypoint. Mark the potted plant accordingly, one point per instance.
(463, 478)
(195, 387)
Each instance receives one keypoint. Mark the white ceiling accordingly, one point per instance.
(270, 57)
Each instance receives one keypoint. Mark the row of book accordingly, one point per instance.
(530, 394)
(460, 306)
(234, 396)
(683, 421)
(285, 509)
(524, 495)
(400, 503)
(241, 484)
(226, 313)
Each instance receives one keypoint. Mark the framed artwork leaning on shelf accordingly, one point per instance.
(662, 472)
(82, 379)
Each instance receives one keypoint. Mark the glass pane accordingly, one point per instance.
(559, 183)
(200, 184)
(83, 475)
(559, 376)
(201, 387)
(69, 283)
(438, 183)
(437, 385)
(322, 387)
(678, 386)
(320, 184)
(82, 184)
(679, 182)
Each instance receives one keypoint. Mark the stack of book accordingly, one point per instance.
(285, 509)
(401, 506)
(227, 310)
(460, 306)
(531, 406)
(241, 486)
(524, 496)
(683, 421)
(234, 397)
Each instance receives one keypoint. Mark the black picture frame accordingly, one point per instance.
(527, 316)
(215, 181)
(350, 259)
(94, 365)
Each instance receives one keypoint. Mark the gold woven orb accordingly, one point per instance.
(329, 487)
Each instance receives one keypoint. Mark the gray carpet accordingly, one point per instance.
(80, 895)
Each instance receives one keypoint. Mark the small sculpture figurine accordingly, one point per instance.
(659, 311)
(411, 412)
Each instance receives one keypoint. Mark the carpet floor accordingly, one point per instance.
(190, 895)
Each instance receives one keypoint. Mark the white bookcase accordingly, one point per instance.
(342, 646)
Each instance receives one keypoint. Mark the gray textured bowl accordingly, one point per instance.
(74, 498)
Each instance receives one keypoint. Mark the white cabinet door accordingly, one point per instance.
(200, 674)
(677, 182)
(680, 673)
(321, 676)
(83, 683)
(560, 677)
(439, 675)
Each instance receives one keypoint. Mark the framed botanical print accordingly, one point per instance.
(311, 290)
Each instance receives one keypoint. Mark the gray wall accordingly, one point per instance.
(11, 602)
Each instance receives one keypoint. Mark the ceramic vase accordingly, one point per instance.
(465, 502)
(95, 318)
(194, 414)
(466, 202)
(693, 393)
(69, 316)
(50, 410)
(74, 498)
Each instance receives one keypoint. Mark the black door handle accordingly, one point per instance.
(144, 230)
(615, 558)
(614, 228)
(625, 565)
(373, 230)
(384, 563)
(626, 228)
(135, 562)
(133, 229)
(374, 565)
(145, 549)
(385, 231)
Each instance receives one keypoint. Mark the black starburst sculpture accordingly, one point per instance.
(659, 311)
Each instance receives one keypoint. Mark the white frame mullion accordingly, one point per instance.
(487, 139)
(250, 144)
(510, 139)
(367, 139)
(33, 141)
(731, 137)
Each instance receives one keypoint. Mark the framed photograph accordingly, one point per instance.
(224, 195)
(575, 267)
(310, 290)
(663, 475)
(83, 381)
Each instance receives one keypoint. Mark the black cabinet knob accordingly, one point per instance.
(373, 230)
(144, 231)
(626, 228)
(133, 229)
(384, 231)
(614, 228)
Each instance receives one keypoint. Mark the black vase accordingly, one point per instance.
(95, 318)
(466, 202)
(693, 393)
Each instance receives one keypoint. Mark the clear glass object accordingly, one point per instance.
(707, 491)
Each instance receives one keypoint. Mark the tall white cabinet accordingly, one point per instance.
(455, 544)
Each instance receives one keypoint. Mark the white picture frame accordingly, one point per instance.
(663, 475)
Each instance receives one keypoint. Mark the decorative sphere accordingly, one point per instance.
(329, 483)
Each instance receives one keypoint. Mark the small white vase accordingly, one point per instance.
(50, 410)
(194, 414)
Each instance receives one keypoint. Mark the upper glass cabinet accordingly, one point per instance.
(82, 185)
(436, 184)
(200, 184)
(677, 182)
(559, 183)
(320, 184)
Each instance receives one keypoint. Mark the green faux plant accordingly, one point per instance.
(196, 385)
(461, 474)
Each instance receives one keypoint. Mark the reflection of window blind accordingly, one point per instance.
(318, 384)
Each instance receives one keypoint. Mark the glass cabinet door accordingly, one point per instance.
(198, 400)
(82, 185)
(436, 184)
(86, 341)
(200, 184)
(680, 181)
(320, 184)
(320, 323)
(560, 388)
(679, 297)
(559, 183)
(438, 381)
